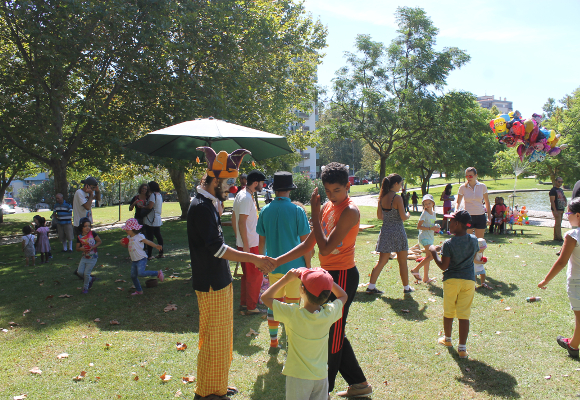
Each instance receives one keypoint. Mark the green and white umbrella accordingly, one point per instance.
(180, 141)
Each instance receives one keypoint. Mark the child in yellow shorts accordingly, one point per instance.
(457, 255)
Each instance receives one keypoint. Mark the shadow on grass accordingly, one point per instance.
(272, 381)
(407, 307)
(484, 378)
(500, 289)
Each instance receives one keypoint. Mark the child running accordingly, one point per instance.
(42, 243)
(570, 255)
(306, 366)
(87, 242)
(427, 228)
(456, 263)
(135, 242)
(28, 245)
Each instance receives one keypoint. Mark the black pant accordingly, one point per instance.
(341, 357)
(151, 231)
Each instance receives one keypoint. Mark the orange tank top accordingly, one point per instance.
(343, 256)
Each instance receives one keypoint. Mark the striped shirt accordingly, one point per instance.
(63, 213)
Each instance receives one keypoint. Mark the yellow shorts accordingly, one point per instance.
(290, 291)
(457, 298)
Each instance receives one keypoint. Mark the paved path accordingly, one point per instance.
(536, 218)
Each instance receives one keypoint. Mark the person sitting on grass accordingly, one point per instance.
(570, 255)
(306, 366)
(135, 242)
(456, 263)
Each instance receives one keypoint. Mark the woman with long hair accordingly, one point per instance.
(139, 203)
(446, 199)
(152, 221)
(393, 237)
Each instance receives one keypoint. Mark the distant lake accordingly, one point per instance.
(537, 201)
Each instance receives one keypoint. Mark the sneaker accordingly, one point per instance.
(75, 272)
(243, 310)
(93, 279)
(463, 354)
(444, 342)
(357, 390)
(160, 276)
(565, 343)
(85, 291)
(409, 290)
(374, 291)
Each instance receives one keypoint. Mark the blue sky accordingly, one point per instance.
(527, 51)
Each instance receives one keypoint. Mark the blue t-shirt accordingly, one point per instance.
(461, 250)
(282, 223)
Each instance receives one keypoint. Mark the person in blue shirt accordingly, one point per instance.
(63, 213)
(282, 226)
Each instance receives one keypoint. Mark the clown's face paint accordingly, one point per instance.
(222, 190)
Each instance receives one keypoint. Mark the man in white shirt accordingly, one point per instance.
(244, 221)
(83, 201)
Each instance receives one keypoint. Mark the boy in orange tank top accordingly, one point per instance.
(335, 228)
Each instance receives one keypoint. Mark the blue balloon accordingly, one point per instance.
(506, 117)
(538, 156)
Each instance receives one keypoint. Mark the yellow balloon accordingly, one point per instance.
(529, 125)
(500, 125)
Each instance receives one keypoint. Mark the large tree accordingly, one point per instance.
(71, 69)
(386, 96)
(458, 138)
(86, 77)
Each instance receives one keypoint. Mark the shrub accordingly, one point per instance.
(32, 195)
(304, 189)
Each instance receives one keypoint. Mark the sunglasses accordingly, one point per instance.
(559, 181)
(469, 176)
(570, 213)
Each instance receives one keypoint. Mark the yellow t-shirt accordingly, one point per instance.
(307, 338)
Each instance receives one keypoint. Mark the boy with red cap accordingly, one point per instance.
(306, 367)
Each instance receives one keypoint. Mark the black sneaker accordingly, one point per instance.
(374, 291)
(76, 272)
(408, 290)
(93, 279)
(565, 343)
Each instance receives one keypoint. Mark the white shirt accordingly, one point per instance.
(573, 271)
(244, 204)
(136, 247)
(473, 198)
(154, 217)
(81, 197)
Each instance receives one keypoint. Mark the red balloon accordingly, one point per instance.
(233, 190)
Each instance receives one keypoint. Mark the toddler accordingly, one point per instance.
(135, 242)
(28, 245)
(479, 263)
(42, 243)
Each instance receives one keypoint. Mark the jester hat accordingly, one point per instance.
(223, 165)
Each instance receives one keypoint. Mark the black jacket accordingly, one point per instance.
(206, 246)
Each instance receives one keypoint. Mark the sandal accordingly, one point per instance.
(232, 390)
(485, 285)
(160, 256)
(416, 275)
(430, 280)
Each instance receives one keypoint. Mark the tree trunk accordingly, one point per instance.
(383, 169)
(60, 181)
(178, 179)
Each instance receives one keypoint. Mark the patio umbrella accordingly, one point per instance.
(181, 140)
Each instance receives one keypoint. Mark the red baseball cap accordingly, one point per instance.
(316, 280)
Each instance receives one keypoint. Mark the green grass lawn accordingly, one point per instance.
(500, 184)
(511, 351)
